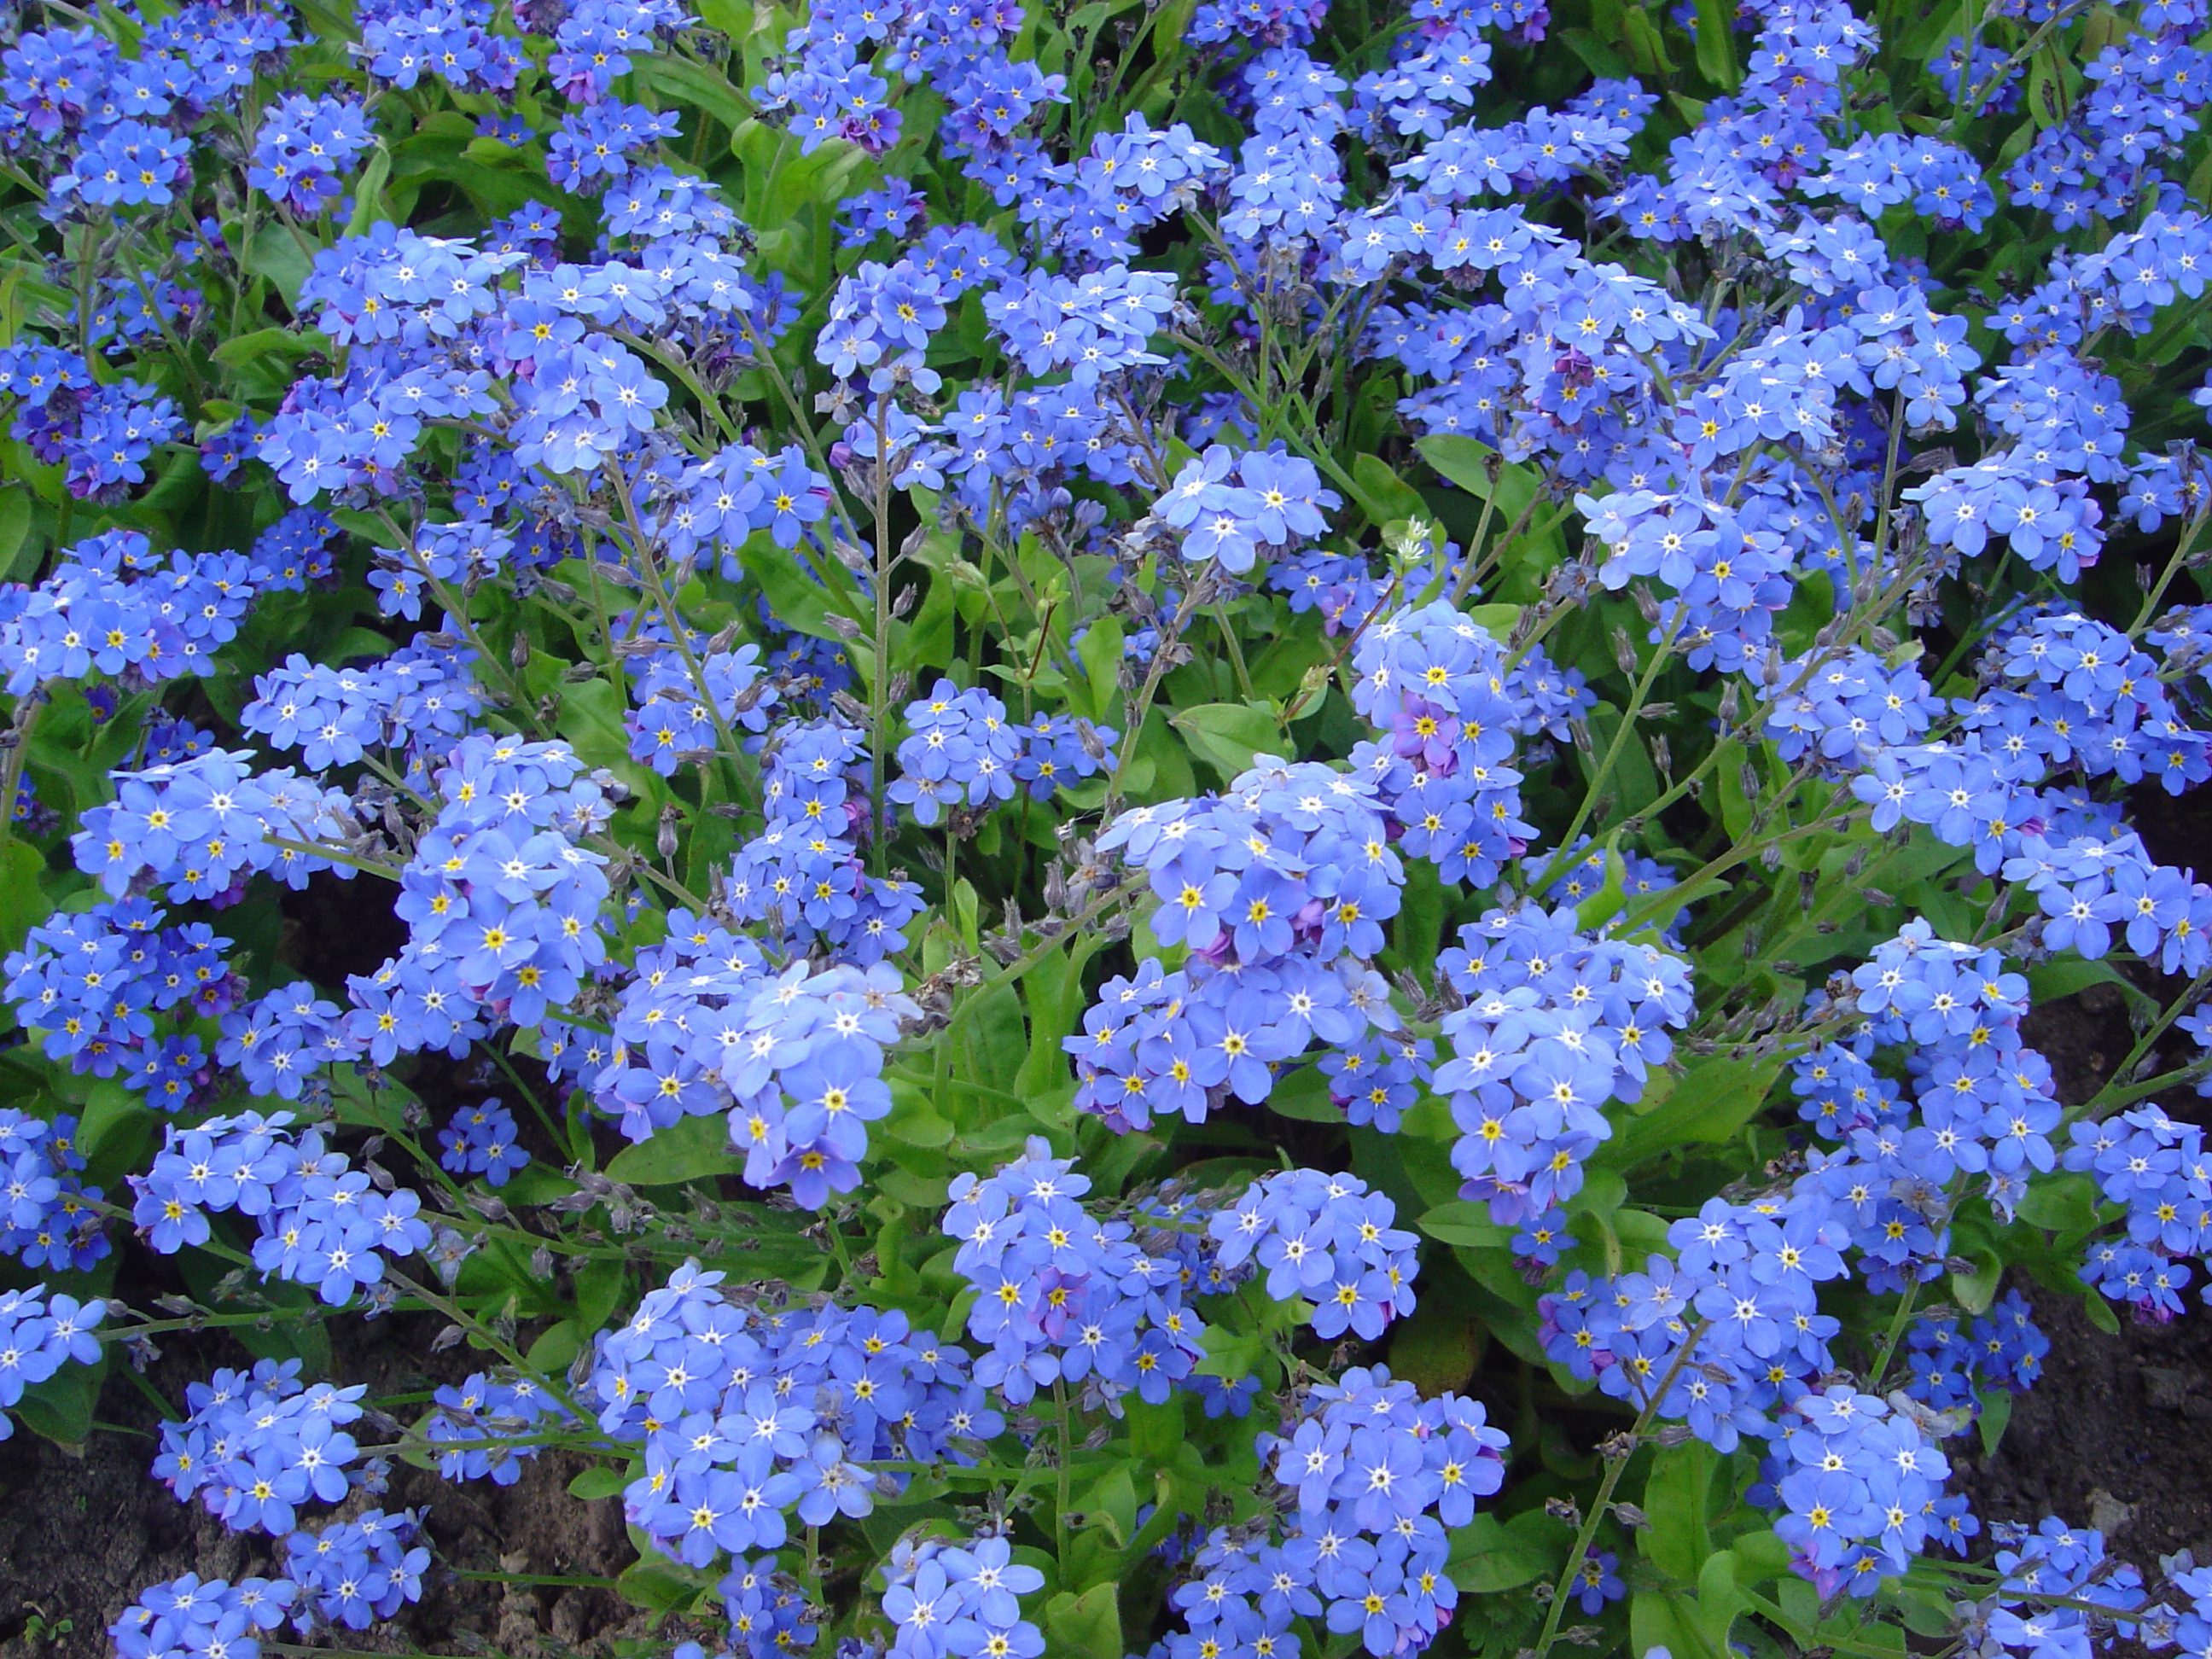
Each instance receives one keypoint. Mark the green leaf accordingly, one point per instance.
(369, 205)
(61, 1407)
(966, 910)
(1640, 1232)
(1099, 653)
(277, 254)
(656, 1583)
(556, 1348)
(1718, 1600)
(598, 1481)
(598, 1288)
(1976, 1291)
(1600, 906)
(1497, 1271)
(2069, 975)
(2047, 88)
(1155, 1431)
(1597, 58)
(687, 82)
(1468, 461)
(1113, 1498)
(1437, 1349)
(1384, 497)
(691, 1149)
(1677, 1497)
(1228, 735)
(1715, 42)
(1053, 996)
(1498, 620)
(1464, 1224)
(537, 1184)
(24, 902)
(1487, 1556)
(801, 600)
(1736, 807)
(1717, 1098)
(2063, 1203)
(1087, 1626)
(107, 1108)
(2100, 1309)
(1760, 1556)
(1424, 908)
(1655, 1622)
(591, 718)
(1603, 1193)
(1305, 1096)
(2066, 975)
(1997, 1412)
(15, 529)
(1647, 47)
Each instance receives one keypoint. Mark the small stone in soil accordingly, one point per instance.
(2107, 1514)
(2166, 1389)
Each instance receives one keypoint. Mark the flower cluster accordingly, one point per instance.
(256, 1448)
(1088, 327)
(745, 1417)
(2002, 1349)
(480, 1139)
(503, 904)
(1325, 1240)
(103, 435)
(418, 700)
(2063, 691)
(1370, 1477)
(1846, 706)
(1632, 874)
(1229, 506)
(489, 1409)
(1860, 1486)
(581, 599)
(304, 147)
(769, 1612)
(1436, 685)
(1941, 182)
(2158, 1171)
(1063, 1297)
(38, 1335)
(675, 722)
(801, 883)
(1278, 891)
(93, 986)
(2055, 1562)
(945, 1598)
(321, 1222)
(1982, 1103)
(201, 826)
(189, 1618)
(963, 752)
(1726, 1337)
(795, 1060)
(112, 610)
(1558, 1024)
(355, 1572)
(46, 1218)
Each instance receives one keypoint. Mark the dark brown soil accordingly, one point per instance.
(2118, 1435)
(81, 1537)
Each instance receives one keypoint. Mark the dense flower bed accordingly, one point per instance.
(1211, 827)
